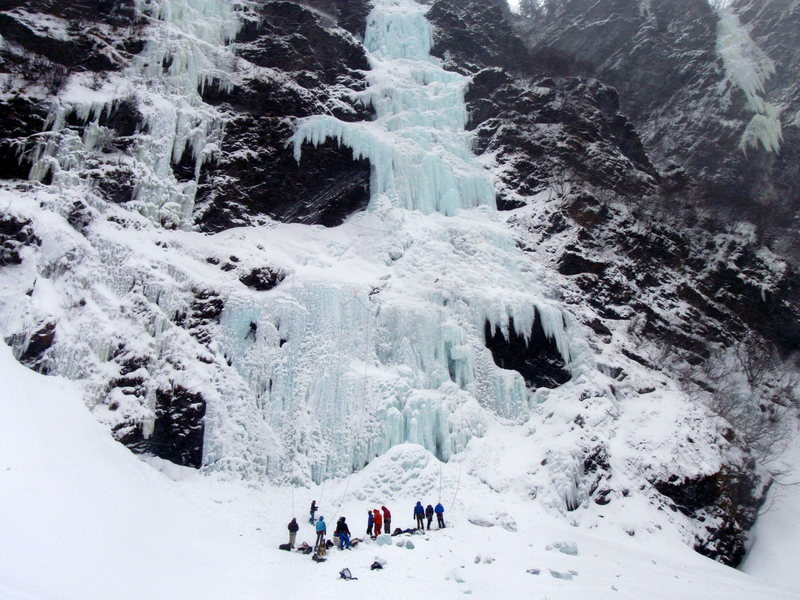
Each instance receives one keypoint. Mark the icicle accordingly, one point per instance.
(749, 68)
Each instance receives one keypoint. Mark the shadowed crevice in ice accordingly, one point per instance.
(533, 355)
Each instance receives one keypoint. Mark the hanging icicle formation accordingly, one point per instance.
(185, 52)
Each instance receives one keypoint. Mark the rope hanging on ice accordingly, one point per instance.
(363, 395)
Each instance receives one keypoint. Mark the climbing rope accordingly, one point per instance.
(363, 399)
(458, 483)
(441, 411)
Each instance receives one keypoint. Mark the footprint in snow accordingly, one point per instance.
(565, 575)
(454, 575)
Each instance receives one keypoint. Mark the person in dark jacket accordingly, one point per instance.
(343, 533)
(370, 521)
(321, 529)
(387, 520)
(313, 510)
(439, 510)
(293, 527)
(419, 514)
(429, 515)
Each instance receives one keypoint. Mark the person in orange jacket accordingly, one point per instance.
(378, 519)
(387, 520)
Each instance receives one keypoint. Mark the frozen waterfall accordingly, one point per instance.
(417, 146)
(377, 337)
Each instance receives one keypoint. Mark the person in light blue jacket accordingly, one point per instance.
(321, 531)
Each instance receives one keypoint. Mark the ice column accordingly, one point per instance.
(417, 146)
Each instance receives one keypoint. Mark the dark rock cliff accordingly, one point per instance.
(620, 220)
(36, 60)
(664, 61)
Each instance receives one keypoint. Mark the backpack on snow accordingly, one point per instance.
(305, 549)
(345, 574)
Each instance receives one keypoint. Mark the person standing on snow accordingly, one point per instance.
(321, 531)
(429, 515)
(293, 527)
(343, 533)
(419, 513)
(378, 519)
(313, 510)
(439, 514)
(370, 521)
(387, 520)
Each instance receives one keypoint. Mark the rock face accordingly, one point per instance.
(727, 501)
(473, 35)
(256, 174)
(293, 61)
(533, 355)
(38, 57)
(15, 233)
(178, 429)
(552, 132)
(668, 62)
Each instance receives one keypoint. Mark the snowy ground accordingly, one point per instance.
(774, 551)
(82, 518)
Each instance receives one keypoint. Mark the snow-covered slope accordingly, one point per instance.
(778, 529)
(86, 519)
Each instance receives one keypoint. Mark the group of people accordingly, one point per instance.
(378, 521)
(427, 513)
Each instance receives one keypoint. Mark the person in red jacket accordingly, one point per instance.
(387, 520)
(376, 515)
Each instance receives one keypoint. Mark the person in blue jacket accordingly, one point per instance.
(419, 514)
(370, 521)
(343, 533)
(439, 510)
(321, 531)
